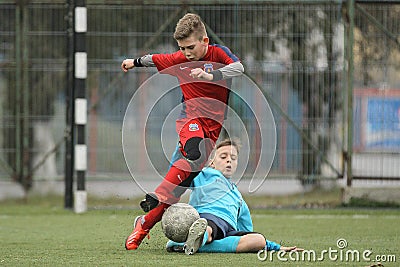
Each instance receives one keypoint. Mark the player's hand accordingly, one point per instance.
(127, 64)
(198, 73)
(288, 249)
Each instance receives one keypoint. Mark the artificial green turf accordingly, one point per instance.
(44, 234)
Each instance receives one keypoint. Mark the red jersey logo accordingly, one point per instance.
(208, 67)
(193, 127)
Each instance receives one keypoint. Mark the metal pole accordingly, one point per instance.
(27, 179)
(70, 135)
(18, 86)
(350, 73)
(80, 114)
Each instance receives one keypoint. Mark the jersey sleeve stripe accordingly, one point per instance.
(228, 52)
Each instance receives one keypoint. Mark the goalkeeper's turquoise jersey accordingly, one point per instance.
(215, 194)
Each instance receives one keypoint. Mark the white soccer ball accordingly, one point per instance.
(177, 220)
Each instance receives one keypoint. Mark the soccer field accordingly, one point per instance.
(45, 234)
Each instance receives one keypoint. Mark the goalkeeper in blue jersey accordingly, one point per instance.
(225, 224)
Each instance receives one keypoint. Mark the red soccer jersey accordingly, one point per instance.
(202, 99)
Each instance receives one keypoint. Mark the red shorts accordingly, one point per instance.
(187, 129)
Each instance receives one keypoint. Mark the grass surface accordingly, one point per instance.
(42, 233)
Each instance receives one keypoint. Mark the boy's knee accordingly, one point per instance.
(192, 148)
(260, 241)
(256, 241)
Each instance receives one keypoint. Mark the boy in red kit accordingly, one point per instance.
(204, 73)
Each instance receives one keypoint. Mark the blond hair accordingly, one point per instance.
(229, 142)
(189, 24)
(226, 142)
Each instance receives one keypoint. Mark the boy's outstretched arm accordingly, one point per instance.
(288, 249)
(229, 71)
(127, 64)
(144, 61)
